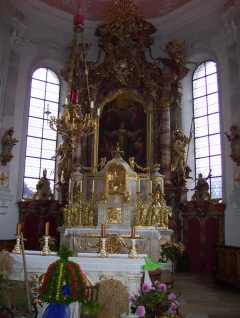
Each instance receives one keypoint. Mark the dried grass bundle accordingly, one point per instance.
(114, 299)
(6, 263)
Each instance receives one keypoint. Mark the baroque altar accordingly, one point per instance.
(126, 204)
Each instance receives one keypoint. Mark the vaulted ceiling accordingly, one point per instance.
(94, 10)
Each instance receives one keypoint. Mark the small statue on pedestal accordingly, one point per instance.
(43, 188)
(8, 142)
(201, 188)
(233, 138)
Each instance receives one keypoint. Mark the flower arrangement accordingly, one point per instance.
(170, 251)
(64, 281)
(153, 301)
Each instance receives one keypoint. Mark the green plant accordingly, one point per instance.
(170, 251)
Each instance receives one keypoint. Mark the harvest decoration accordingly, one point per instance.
(64, 281)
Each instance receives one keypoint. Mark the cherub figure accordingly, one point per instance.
(102, 163)
(175, 50)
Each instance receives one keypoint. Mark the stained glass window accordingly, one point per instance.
(41, 140)
(207, 126)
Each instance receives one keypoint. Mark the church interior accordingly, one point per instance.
(119, 138)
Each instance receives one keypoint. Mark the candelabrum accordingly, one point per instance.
(75, 122)
(133, 251)
(79, 117)
(45, 251)
(103, 252)
(17, 248)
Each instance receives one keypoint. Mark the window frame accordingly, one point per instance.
(208, 135)
(45, 125)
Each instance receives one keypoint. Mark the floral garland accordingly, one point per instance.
(64, 281)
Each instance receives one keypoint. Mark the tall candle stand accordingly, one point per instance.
(133, 251)
(103, 253)
(17, 248)
(45, 251)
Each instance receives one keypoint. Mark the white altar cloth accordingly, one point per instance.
(82, 231)
(117, 266)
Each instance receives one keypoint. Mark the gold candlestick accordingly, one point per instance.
(17, 248)
(103, 253)
(45, 251)
(133, 252)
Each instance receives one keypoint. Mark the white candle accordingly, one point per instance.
(48, 107)
(138, 187)
(98, 111)
(150, 186)
(81, 186)
(93, 185)
(66, 101)
(91, 104)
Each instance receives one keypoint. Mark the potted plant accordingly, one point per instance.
(154, 301)
(170, 252)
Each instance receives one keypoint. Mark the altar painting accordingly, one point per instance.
(123, 120)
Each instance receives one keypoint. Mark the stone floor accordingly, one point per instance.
(201, 297)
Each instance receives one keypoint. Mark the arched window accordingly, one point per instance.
(207, 126)
(41, 139)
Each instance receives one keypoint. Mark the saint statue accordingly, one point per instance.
(8, 142)
(233, 138)
(64, 150)
(123, 136)
(178, 164)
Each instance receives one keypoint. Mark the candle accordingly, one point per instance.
(103, 230)
(48, 107)
(138, 188)
(133, 231)
(150, 186)
(93, 186)
(69, 185)
(47, 229)
(91, 104)
(98, 111)
(19, 228)
(66, 101)
(81, 186)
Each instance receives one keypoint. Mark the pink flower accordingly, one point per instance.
(162, 287)
(140, 311)
(172, 311)
(174, 305)
(139, 291)
(172, 297)
(132, 299)
(146, 288)
(156, 282)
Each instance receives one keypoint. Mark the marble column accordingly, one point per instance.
(166, 139)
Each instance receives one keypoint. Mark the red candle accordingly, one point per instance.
(75, 94)
(19, 228)
(133, 231)
(79, 18)
(103, 230)
(47, 229)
